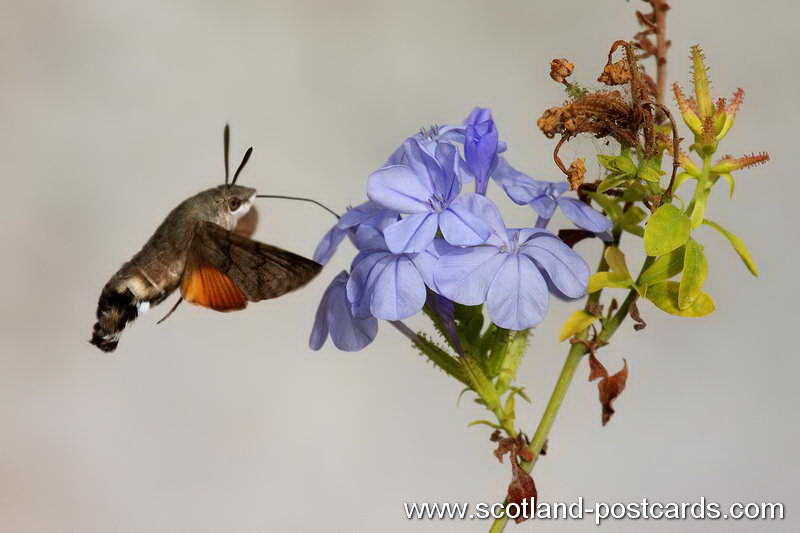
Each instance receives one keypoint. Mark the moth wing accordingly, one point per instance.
(246, 225)
(259, 270)
(206, 286)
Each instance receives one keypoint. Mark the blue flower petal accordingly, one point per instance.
(447, 184)
(360, 271)
(368, 212)
(366, 237)
(348, 333)
(320, 329)
(334, 318)
(544, 206)
(568, 272)
(464, 274)
(411, 234)
(399, 188)
(521, 188)
(485, 209)
(518, 296)
(396, 288)
(462, 226)
(328, 245)
(583, 216)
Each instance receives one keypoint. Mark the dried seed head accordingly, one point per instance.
(617, 73)
(576, 173)
(551, 122)
(560, 69)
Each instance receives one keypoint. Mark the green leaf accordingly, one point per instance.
(731, 183)
(601, 280)
(630, 220)
(634, 192)
(514, 353)
(609, 206)
(738, 245)
(478, 381)
(649, 174)
(441, 358)
(663, 268)
(612, 181)
(616, 260)
(625, 165)
(577, 322)
(699, 208)
(618, 164)
(680, 178)
(665, 296)
(484, 423)
(666, 230)
(607, 161)
(695, 270)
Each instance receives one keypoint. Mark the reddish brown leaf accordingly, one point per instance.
(596, 369)
(521, 488)
(525, 454)
(640, 323)
(571, 237)
(505, 446)
(610, 388)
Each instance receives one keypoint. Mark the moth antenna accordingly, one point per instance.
(226, 144)
(323, 206)
(174, 307)
(242, 164)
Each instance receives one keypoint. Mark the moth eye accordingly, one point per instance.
(234, 204)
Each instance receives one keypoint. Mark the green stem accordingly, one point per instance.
(574, 357)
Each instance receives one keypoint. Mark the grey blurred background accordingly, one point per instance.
(111, 113)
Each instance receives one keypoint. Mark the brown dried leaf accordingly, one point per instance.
(640, 323)
(504, 446)
(521, 488)
(610, 388)
(596, 369)
(571, 237)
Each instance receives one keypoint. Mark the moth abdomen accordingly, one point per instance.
(114, 310)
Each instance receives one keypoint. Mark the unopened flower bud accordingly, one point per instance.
(728, 163)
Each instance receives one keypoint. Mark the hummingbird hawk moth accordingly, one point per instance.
(204, 248)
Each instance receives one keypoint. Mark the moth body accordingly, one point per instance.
(203, 248)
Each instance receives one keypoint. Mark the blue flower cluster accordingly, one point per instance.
(420, 234)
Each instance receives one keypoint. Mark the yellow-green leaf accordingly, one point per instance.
(665, 296)
(695, 269)
(609, 206)
(610, 182)
(738, 245)
(731, 182)
(666, 230)
(616, 260)
(699, 209)
(649, 174)
(679, 179)
(601, 280)
(577, 322)
(663, 268)
(625, 165)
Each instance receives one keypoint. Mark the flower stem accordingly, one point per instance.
(574, 357)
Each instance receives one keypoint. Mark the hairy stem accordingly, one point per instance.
(574, 357)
